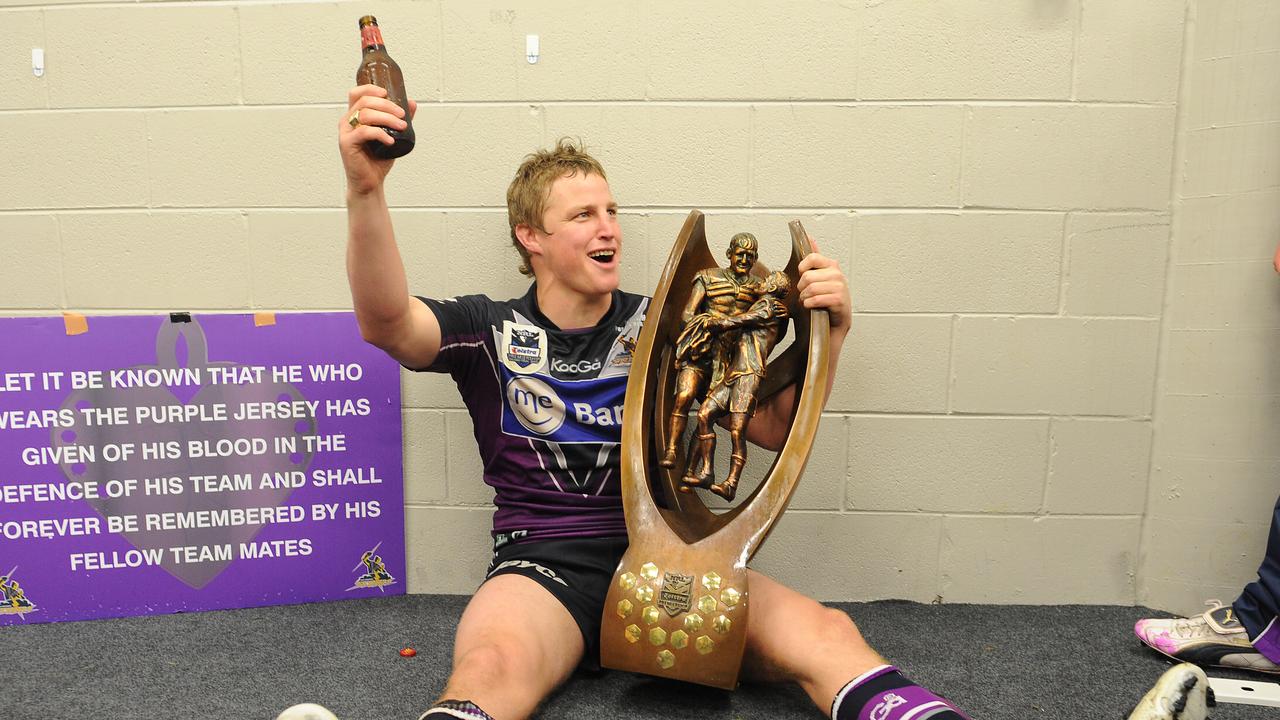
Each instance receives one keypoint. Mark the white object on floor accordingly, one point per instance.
(306, 711)
(1246, 692)
(1181, 693)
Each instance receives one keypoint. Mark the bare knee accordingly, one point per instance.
(839, 627)
(493, 662)
(832, 636)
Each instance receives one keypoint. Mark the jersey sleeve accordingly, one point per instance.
(465, 324)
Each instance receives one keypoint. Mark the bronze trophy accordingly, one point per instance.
(678, 604)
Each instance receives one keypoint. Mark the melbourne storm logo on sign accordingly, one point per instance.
(561, 411)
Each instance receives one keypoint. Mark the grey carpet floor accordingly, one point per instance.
(996, 662)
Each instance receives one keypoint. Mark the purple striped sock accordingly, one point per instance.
(450, 709)
(882, 693)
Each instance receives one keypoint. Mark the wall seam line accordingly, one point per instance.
(1141, 594)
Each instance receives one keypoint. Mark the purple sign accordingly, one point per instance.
(153, 464)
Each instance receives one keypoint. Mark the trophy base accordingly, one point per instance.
(676, 615)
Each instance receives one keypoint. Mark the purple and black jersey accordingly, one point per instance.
(546, 404)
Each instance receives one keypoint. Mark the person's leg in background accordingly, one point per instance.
(1244, 635)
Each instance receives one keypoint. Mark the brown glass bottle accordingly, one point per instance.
(377, 68)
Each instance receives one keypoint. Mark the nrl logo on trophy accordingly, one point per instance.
(705, 358)
(677, 593)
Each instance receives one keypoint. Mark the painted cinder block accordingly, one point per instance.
(1116, 264)
(750, 50)
(429, 390)
(851, 156)
(663, 154)
(108, 57)
(1231, 159)
(1206, 552)
(958, 262)
(101, 160)
(598, 55)
(466, 155)
(220, 166)
(894, 363)
(298, 259)
(1222, 362)
(1069, 157)
(19, 86)
(966, 50)
(1227, 227)
(1098, 467)
(1040, 561)
(1059, 366)
(1223, 427)
(31, 277)
(947, 464)
(424, 449)
(19, 3)
(156, 261)
(1238, 490)
(1234, 89)
(480, 256)
(464, 531)
(1223, 295)
(1235, 27)
(308, 52)
(896, 557)
(1129, 50)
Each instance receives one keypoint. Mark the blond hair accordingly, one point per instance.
(530, 190)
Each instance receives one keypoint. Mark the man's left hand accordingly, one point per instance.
(823, 285)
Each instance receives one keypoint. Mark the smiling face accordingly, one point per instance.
(579, 245)
(742, 254)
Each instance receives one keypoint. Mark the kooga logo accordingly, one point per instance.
(535, 404)
(579, 367)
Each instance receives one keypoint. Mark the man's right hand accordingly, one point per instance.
(365, 172)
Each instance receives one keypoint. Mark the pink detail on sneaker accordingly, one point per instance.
(1150, 632)
(1164, 643)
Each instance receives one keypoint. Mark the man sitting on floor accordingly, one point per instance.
(559, 530)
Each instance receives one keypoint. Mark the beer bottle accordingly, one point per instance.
(377, 68)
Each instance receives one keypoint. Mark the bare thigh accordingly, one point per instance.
(794, 637)
(515, 644)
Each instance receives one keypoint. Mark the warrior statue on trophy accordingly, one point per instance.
(732, 321)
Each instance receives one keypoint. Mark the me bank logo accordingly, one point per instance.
(583, 411)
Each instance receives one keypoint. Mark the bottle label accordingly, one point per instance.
(370, 35)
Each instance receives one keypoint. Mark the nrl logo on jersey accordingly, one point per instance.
(524, 347)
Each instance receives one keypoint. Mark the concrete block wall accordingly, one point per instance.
(998, 179)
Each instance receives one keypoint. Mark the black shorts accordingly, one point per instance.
(576, 571)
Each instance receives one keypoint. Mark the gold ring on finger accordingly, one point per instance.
(354, 119)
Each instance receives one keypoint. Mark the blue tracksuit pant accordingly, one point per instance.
(1259, 605)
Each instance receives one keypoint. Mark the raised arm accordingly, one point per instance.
(822, 285)
(389, 318)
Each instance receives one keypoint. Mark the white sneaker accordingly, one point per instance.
(306, 711)
(1181, 693)
(1213, 638)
